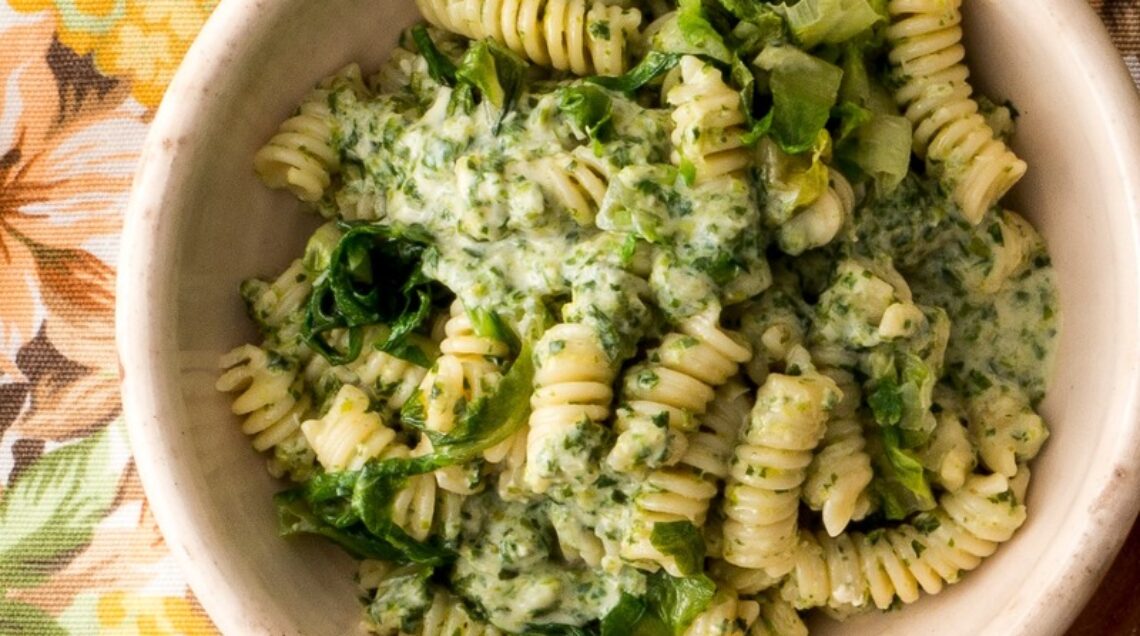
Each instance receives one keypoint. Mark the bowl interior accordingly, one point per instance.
(201, 222)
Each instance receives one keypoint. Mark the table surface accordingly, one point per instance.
(79, 549)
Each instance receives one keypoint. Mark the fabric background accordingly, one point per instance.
(79, 550)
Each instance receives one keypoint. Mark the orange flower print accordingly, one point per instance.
(69, 140)
(139, 41)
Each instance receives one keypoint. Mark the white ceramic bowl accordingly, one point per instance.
(199, 222)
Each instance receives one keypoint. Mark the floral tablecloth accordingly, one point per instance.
(80, 79)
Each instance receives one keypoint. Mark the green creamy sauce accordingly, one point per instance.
(504, 237)
(508, 566)
(1003, 336)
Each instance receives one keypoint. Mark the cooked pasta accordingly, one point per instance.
(664, 396)
(708, 122)
(662, 330)
(902, 561)
(567, 35)
(926, 49)
(571, 398)
(302, 157)
(762, 496)
(727, 615)
(576, 180)
(838, 476)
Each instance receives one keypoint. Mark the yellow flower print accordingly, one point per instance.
(141, 41)
(123, 614)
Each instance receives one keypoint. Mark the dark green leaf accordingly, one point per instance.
(677, 601)
(885, 401)
(372, 500)
(623, 619)
(489, 324)
(440, 67)
(682, 541)
(296, 517)
(804, 90)
(496, 72)
(652, 66)
(899, 479)
(589, 108)
(699, 34)
(558, 630)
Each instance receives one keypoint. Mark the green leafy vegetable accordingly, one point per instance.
(440, 67)
(589, 108)
(753, 11)
(349, 295)
(683, 541)
(295, 516)
(677, 601)
(556, 629)
(881, 149)
(899, 479)
(489, 324)
(804, 90)
(700, 36)
(624, 618)
(652, 66)
(496, 71)
(814, 22)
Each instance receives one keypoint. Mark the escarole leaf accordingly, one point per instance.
(350, 293)
(880, 148)
(699, 35)
(676, 602)
(652, 66)
(489, 324)
(683, 541)
(440, 67)
(814, 22)
(496, 72)
(804, 90)
(295, 516)
(589, 109)
(899, 481)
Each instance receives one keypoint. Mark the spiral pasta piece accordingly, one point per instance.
(389, 381)
(567, 35)
(272, 398)
(348, 434)
(576, 181)
(727, 615)
(1005, 428)
(422, 508)
(762, 496)
(448, 615)
(708, 122)
(302, 157)
(926, 50)
(852, 569)
(273, 304)
(466, 370)
(663, 396)
(819, 223)
(838, 476)
(571, 398)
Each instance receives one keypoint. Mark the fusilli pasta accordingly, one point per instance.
(853, 568)
(708, 122)
(926, 49)
(567, 35)
(762, 496)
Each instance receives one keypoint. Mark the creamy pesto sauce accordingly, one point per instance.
(1009, 336)
(509, 568)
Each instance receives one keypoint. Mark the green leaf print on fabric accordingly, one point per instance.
(52, 508)
(21, 618)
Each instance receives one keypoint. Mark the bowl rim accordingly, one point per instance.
(150, 397)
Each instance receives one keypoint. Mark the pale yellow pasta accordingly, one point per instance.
(855, 569)
(838, 476)
(708, 122)
(448, 615)
(348, 434)
(727, 615)
(664, 396)
(926, 50)
(575, 180)
(777, 618)
(271, 398)
(1005, 428)
(769, 466)
(572, 395)
(301, 157)
(568, 35)
(820, 222)
(949, 455)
